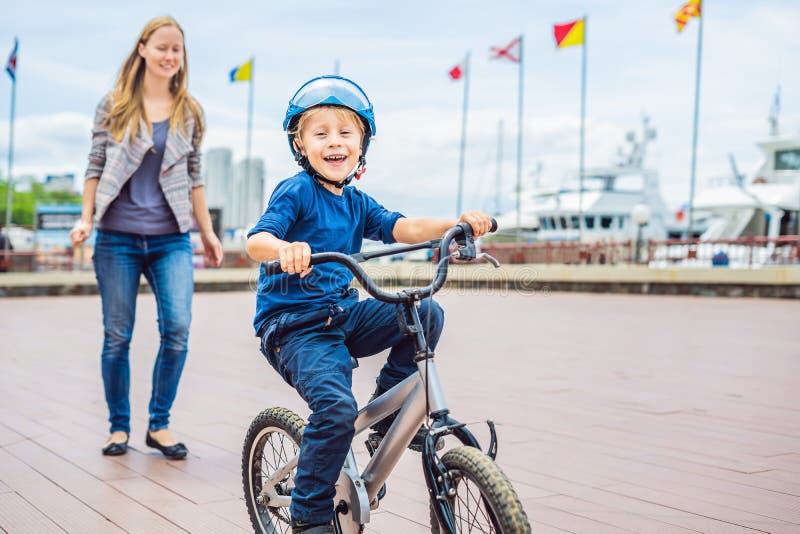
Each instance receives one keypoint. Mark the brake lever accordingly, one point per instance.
(466, 243)
(467, 252)
(490, 259)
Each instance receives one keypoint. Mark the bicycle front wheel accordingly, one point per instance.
(272, 440)
(484, 500)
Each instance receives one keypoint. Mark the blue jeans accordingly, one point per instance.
(315, 360)
(166, 262)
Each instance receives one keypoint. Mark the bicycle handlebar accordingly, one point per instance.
(462, 232)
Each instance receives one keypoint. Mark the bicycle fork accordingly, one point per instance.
(439, 481)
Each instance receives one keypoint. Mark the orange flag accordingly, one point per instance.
(688, 10)
(569, 34)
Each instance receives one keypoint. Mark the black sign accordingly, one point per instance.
(216, 220)
(56, 221)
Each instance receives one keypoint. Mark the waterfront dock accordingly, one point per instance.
(615, 413)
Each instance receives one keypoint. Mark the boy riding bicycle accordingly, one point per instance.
(310, 321)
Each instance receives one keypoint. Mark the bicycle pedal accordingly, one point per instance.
(373, 442)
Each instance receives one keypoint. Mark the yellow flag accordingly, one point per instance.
(242, 73)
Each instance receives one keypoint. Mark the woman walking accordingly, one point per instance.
(142, 186)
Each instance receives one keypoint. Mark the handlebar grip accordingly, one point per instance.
(272, 267)
(467, 229)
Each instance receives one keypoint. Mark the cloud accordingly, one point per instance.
(400, 53)
(45, 144)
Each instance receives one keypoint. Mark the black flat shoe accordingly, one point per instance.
(115, 449)
(173, 452)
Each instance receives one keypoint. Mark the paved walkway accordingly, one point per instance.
(615, 414)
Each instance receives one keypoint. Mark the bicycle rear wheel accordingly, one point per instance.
(484, 501)
(272, 440)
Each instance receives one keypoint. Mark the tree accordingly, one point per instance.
(24, 203)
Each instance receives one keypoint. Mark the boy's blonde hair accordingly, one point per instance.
(344, 114)
(127, 104)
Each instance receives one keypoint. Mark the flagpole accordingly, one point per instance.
(499, 166)
(463, 137)
(519, 136)
(583, 132)
(689, 229)
(249, 163)
(10, 182)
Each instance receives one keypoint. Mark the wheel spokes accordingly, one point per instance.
(469, 508)
(273, 453)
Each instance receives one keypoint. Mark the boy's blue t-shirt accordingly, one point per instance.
(300, 209)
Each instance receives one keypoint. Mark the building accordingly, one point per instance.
(218, 178)
(249, 192)
(24, 183)
(229, 188)
(60, 182)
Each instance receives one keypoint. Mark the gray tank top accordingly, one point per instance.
(141, 207)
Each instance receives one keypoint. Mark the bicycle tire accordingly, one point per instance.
(273, 438)
(495, 507)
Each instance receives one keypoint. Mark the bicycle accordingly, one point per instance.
(465, 485)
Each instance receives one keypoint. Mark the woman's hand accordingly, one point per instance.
(295, 258)
(80, 232)
(212, 248)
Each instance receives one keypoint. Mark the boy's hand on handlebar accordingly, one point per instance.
(480, 222)
(295, 258)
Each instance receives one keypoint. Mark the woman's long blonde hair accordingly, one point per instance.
(127, 102)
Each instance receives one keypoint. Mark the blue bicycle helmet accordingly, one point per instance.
(334, 91)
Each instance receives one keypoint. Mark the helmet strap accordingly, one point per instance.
(361, 168)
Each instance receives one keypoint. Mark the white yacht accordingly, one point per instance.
(763, 204)
(604, 213)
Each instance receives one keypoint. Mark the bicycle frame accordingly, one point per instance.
(416, 398)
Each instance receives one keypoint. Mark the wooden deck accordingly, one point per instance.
(615, 414)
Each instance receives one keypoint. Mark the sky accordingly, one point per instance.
(400, 53)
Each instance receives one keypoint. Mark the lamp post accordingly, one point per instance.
(640, 215)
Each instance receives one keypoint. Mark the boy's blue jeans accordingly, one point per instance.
(166, 262)
(315, 360)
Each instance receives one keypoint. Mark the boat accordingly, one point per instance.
(603, 212)
(764, 203)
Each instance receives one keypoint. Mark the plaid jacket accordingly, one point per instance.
(114, 163)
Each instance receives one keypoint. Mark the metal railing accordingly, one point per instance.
(747, 252)
(81, 260)
(563, 252)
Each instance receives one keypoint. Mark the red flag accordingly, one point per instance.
(456, 72)
(11, 65)
(510, 51)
